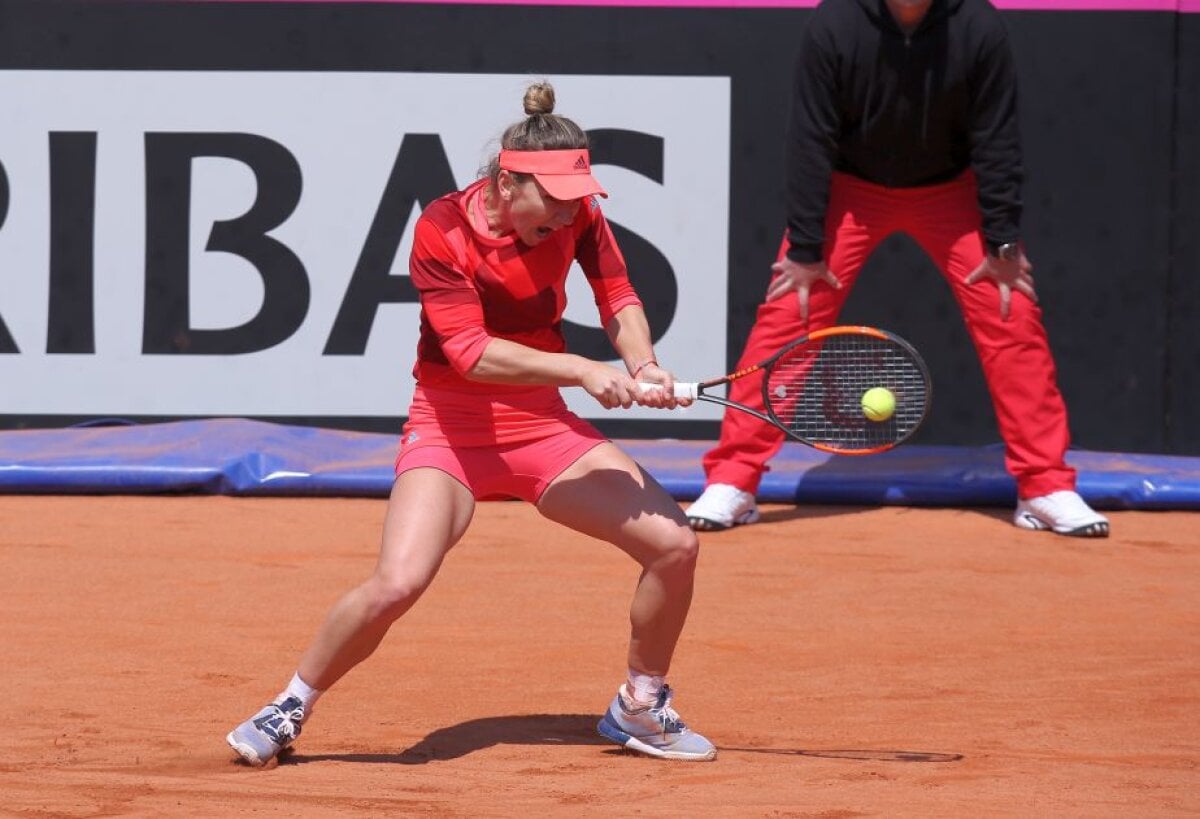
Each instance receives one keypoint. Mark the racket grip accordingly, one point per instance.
(682, 389)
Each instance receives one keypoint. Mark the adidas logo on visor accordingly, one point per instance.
(581, 164)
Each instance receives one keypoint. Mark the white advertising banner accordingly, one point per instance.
(297, 183)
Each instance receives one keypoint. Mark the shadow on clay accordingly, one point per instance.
(565, 729)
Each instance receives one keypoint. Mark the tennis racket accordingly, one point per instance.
(813, 389)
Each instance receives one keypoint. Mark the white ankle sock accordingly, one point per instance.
(643, 688)
(302, 691)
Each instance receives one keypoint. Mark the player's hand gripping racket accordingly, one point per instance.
(816, 390)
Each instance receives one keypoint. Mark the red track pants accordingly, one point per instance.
(944, 220)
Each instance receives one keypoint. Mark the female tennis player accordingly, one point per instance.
(487, 421)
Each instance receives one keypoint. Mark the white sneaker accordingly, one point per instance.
(261, 738)
(1063, 512)
(721, 506)
(654, 730)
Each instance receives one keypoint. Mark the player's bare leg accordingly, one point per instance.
(427, 513)
(605, 494)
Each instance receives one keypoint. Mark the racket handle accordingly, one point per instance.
(682, 389)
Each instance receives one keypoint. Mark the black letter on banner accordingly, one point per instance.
(649, 271)
(71, 318)
(421, 173)
(167, 327)
(3, 195)
(7, 345)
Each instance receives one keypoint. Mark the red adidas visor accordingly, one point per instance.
(565, 175)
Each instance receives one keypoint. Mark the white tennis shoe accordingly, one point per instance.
(1063, 512)
(721, 506)
(261, 738)
(654, 730)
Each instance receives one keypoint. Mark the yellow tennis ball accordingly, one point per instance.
(878, 403)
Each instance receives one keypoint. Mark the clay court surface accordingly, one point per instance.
(846, 661)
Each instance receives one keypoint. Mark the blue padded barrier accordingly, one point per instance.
(229, 456)
(241, 457)
(931, 476)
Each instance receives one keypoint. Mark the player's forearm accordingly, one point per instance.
(629, 332)
(508, 362)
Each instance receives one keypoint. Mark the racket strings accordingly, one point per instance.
(815, 390)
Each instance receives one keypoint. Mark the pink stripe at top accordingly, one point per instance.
(1191, 6)
(1091, 5)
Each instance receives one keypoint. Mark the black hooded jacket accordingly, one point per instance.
(903, 111)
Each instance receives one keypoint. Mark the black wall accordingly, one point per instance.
(1110, 112)
(1182, 380)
